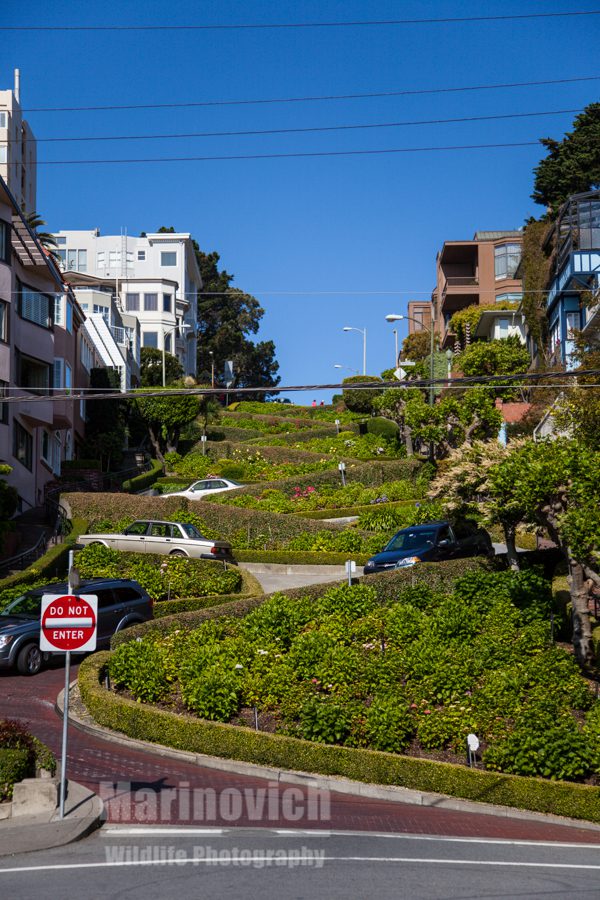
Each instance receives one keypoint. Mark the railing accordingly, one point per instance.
(459, 280)
(22, 560)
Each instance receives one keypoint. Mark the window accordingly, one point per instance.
(167, 302)
(82, 260)
(87, 356)
(33, 374)
(57, 374)
(34, 307)
(84, 306)
(150, 339)
(62, 254)
(101, 259)
(150, 302)
(168, 343)
(506, 260)
(509, 298)
(58, 316)
(555, 335)
(3, 120)
(3, 406)
(132, 302)
(61, 241)
(46, 447)
(82, 410)
(168, 259)
(4, 242)
(3, 154)
(69, 316)
(503, 326)
(141, 254)
(68, 378)
(101, 311)
(573, 321)
(3, 321)
(129, 257)
(22, 446)
(114, 259)
(71, 260)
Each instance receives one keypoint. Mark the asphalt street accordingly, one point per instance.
(151, 863)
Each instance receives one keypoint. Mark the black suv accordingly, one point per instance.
(120, 603)
(431, 543)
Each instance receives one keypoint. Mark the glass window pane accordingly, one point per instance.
(168, 259)
(150, 302)
(150, 339)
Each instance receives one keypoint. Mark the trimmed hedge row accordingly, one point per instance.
(352, 510)
(251, 587)
(145, 480)
(53, 564)
(144, 722)
(229, 449)
(300, 557)
(386, 584)
(300, 437)
(231, 433)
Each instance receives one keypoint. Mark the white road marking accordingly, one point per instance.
(281, 860)
(111, 830)
(509, 842)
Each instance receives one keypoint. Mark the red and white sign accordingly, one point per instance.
(68, 623)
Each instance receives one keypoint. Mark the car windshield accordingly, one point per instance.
(412, 540)
(27, 605)
(191, 531)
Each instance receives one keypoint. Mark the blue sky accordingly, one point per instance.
(363, 230)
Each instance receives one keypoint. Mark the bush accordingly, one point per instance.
(384, 428)
(358, 401)
(375, 767)
(15, 765)
(20, 755)
(139, 667)
(145, 480)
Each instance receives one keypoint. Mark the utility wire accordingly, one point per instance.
(306, 130)
(297, 155)
(265, 26)
(314, 99)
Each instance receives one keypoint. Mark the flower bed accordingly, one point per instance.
(417, 673)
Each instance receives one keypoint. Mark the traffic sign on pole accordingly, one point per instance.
(68, 623)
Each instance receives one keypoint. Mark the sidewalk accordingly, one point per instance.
(83, 814)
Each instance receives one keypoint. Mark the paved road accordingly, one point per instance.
(157, 790)
(269, 865)
(273, 577)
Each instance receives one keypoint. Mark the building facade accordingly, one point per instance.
(478, 272)
(18, 156)
(40, 423)
(155, 279)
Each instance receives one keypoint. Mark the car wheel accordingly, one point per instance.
(29, 660)
(177, 553)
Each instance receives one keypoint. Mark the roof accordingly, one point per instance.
(495, 235)
(488, 314)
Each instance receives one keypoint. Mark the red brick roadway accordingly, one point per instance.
(92, 761)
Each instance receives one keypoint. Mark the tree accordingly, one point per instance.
(106, 423)
(557, 485)
(507, 356)
(151, 362)
(165, 416)
(226, 318)
(579, 411)
(572, 165)
(9, 501)
(361, 401)
(47, 240)
(416, 346)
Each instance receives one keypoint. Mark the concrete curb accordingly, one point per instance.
(26, 834)
(292, 569)
(332, 783)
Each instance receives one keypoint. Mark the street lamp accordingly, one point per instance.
(347, 368)
(212, 368)
(362, 331)
(395, 333)
(392, 317)
(184, 329)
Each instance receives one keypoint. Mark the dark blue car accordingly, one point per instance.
(432, 542)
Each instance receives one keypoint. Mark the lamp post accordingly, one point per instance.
(392, 317)
(212, 368)
(395, 333)
(184, 328)
(362, 331)
(347, 368)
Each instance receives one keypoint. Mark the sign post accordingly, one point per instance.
(68, 623)
(342, 468)
(350, 570)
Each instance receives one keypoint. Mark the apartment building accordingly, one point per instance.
(419, 316)
(481, 271)
(155, 278)
(40, 359)
(18, 154)
(573, 302)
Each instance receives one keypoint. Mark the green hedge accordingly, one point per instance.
(147, 723)
(353, 510)
(231, 433)
(15, 765)
(145, 480)
(300, 557)
(250, 588)
(386, 584)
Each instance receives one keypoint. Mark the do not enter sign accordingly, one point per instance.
(68, 623)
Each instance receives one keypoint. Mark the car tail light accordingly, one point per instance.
(214, 550)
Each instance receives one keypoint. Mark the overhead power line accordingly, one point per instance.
(314, 99)
(305, 130)
(265, 26)
(297, 155)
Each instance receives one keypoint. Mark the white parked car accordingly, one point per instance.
(165, 538)
(200, 490)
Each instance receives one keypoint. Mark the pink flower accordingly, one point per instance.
(427, 712)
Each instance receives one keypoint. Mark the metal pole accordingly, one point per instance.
(396, 347)
(63, 755)
(164, 374)
(364, 351)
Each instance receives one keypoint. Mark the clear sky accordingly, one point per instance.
(323, 242)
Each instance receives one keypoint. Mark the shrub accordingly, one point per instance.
(145, 479)
(358, 401)
(214, 694)
(139, 667)
(384, 428)
(389, 724)
(15, 765)
(324, 721)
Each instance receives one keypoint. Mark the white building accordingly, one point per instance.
(18, 155)
(155, 277)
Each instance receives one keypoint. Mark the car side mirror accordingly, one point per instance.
(445, 542)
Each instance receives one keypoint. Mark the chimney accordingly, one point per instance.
(17, 85)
